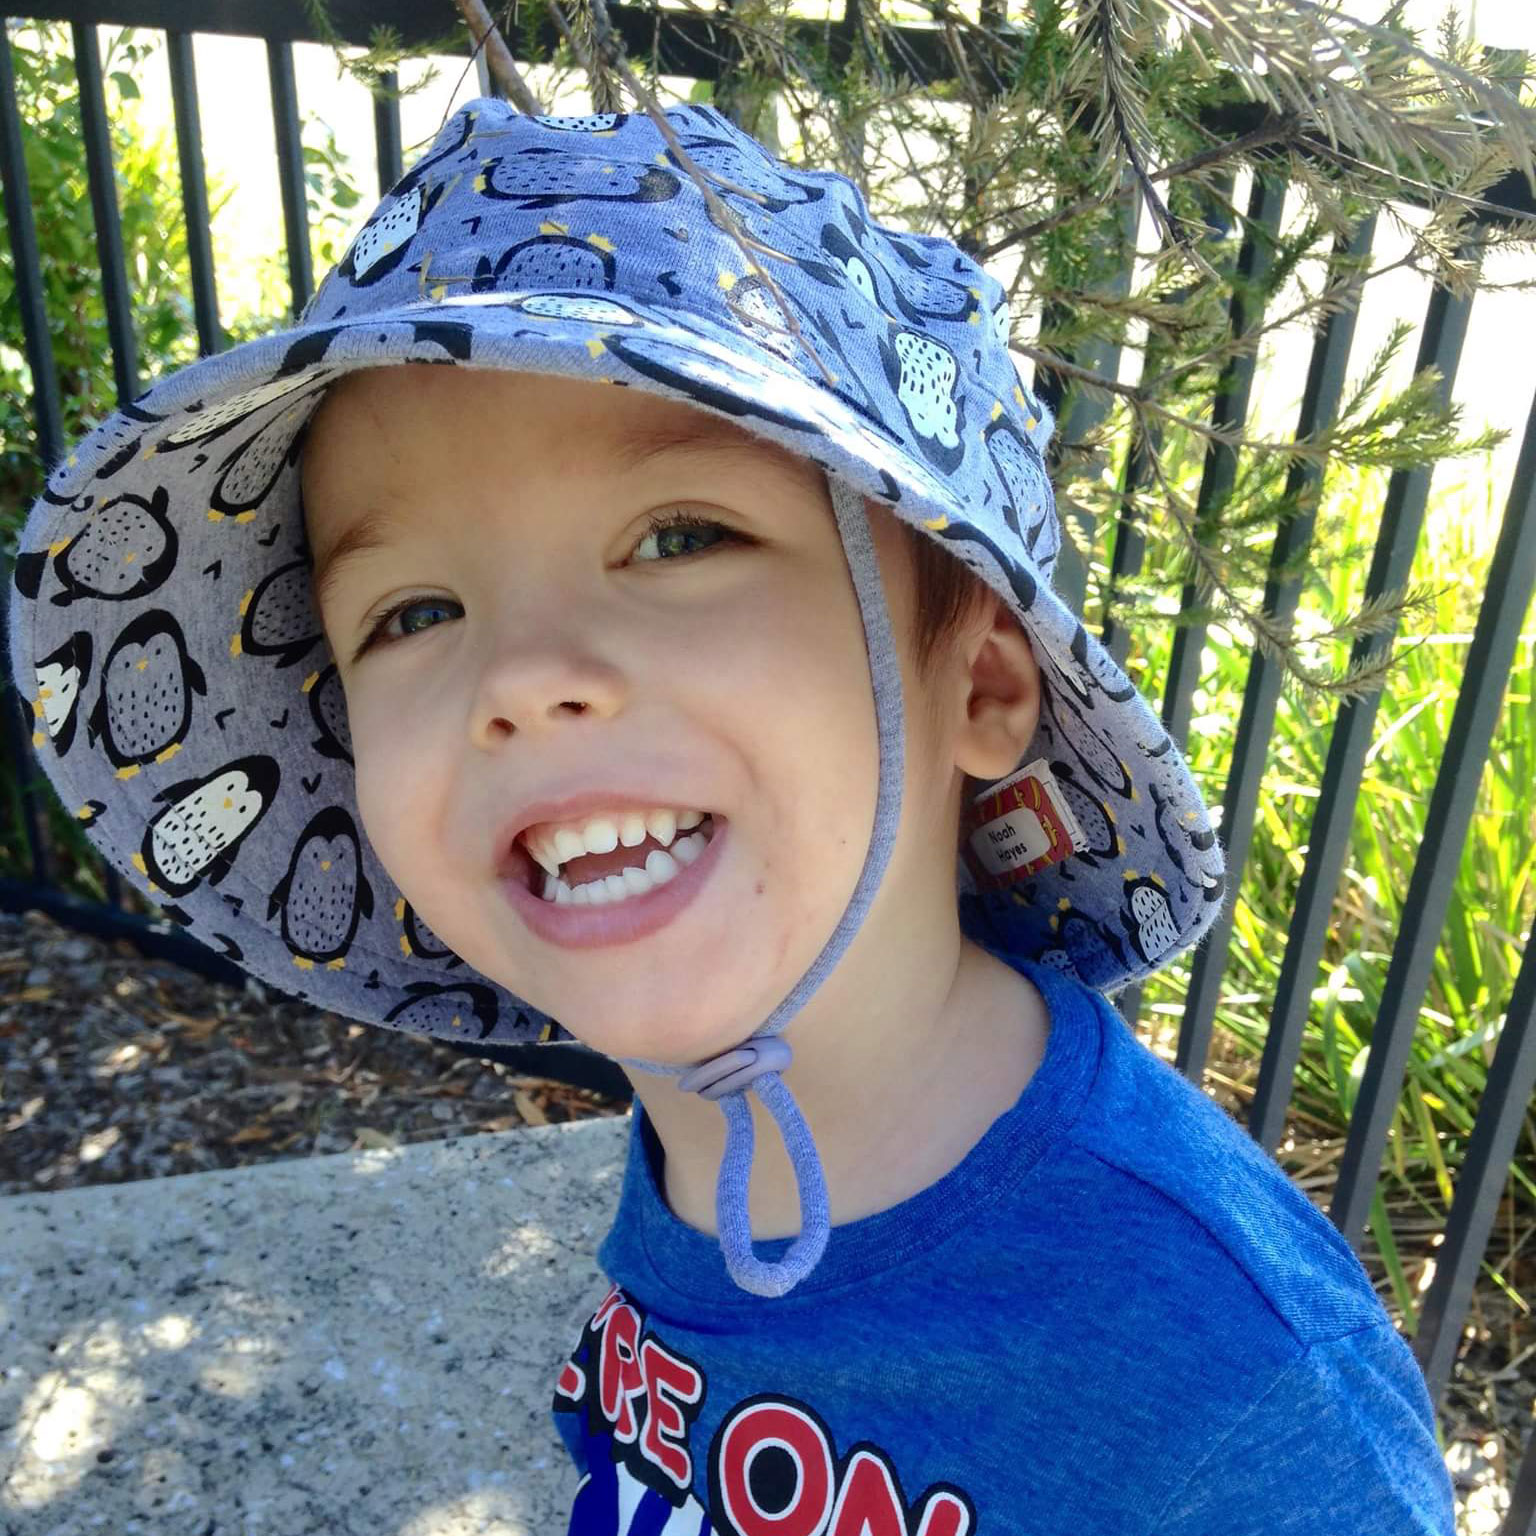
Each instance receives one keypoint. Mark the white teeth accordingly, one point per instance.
(660, 867)
(604, 834)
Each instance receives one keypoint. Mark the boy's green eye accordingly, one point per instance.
(669, 536)
(426, 612)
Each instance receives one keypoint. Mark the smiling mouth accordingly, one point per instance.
(596, 879)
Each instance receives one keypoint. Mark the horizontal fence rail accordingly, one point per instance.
(688, 43)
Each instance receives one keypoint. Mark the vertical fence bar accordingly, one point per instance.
(386, 130)
(1511, 578)
(109, 233)
(1479, 1183)
(1328, 838)
(194, 193)
(1229, 410)
(47, 417)
(1521, 1519)
(1261, 694)
(47, 414)
(290, 171)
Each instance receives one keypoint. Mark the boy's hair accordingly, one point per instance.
(946, 593)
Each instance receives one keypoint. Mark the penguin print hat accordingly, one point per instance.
(188, 712)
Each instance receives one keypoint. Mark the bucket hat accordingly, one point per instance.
(189, 713)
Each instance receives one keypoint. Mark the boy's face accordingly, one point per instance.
(554, 644)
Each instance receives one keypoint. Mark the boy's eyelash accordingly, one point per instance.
(660, 524)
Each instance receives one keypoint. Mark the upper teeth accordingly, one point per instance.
(557, 843)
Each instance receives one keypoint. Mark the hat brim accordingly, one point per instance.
(188, 711)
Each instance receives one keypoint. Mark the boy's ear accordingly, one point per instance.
(1001, 693)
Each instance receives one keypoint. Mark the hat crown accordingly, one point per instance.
(599, 218)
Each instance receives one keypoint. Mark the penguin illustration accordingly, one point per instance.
(382, 243)
(446, 1011)
(202, 427)
(328, 709)
(1148, 917)
(776, 189)
(1095, 951)
(560, 306)
(249, 473)
(144, 706)
(278, 616)
(686, 372)
(1092, 816)
(596, 122)
(545, 178)
(61, 678)
(324, 895)
(1075, 738)
(111, 445)
(1184, 841)
(420, 341)
(1027, 496)
(918, 294)
(126, 549)
(924, 375)
(550, 259)
(418, 939)
(204, 822)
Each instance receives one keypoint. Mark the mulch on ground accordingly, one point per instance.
(114, 1067)
(117, 1067)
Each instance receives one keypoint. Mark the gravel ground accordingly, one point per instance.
(114, 1067)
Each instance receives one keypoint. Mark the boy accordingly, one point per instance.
(537, 687)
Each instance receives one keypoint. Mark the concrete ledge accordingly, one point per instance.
(365, 1343)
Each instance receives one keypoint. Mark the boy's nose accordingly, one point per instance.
(531, 692)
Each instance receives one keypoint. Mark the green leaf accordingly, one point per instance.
(127, 86)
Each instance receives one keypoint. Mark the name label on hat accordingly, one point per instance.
(1018, 826)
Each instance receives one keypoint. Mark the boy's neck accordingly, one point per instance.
(892, 1126)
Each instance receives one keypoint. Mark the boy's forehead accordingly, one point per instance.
(633, 426)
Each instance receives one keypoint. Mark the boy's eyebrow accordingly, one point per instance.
(370, 531)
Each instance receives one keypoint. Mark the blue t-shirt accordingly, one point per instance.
(1115, 1316)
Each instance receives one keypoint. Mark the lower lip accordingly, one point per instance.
(623, 922)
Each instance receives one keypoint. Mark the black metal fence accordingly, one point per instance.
(686, 43)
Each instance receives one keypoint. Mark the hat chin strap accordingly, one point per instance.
(756, 1064)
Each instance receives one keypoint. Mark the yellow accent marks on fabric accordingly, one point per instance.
(245, 602)
(229, 804)
(309, 682)
(1063, 904)
(1018, 395)
(169, 753)
(1031, 422)
(149, 452)
(214, 515)
(339, 964)
(234, 645)
(1130, 874)
(84, 814)
(72, 460)
(973, 318)
(549, 227)
(38, 738)
(303, 964)
(727, 280)
(59, 548)
(405, 945)
(1157, 879)
(602, 242)
(140, 666)
(138, 863)
(244, 517)
(400, 909)
(480, 182)
(456, 1022)
(37, 703)
(325, 865)
(595, 346)
(937, 524)
(130, 557)
(438, 291)
(130, 772)
(997, 409)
